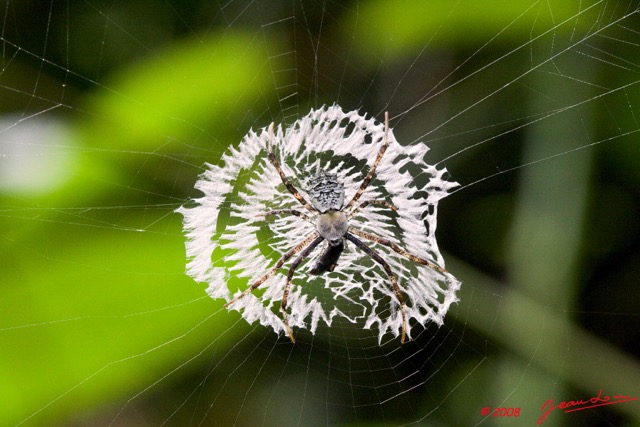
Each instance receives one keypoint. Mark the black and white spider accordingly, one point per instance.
(331, 216)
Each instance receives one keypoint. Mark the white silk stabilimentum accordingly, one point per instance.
(231, 243)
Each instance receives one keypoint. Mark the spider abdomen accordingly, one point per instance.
(326, 192)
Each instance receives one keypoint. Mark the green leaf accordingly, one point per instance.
(107, 316)
(384, 29)
(196, 83)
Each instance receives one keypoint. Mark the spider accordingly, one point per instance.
(330, 217)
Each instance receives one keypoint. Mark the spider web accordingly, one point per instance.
(111, 111)
(304, 146)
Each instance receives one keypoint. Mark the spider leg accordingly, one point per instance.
(300, 246)
(293, 190)
(396, 248)
(372, 202)
(396, 289)
(372, 171)
(283, 303)
(289, 212)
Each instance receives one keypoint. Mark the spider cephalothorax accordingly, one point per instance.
(330, 217)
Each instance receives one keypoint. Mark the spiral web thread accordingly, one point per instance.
(247, 244)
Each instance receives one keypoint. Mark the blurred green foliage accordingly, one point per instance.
(406, 27)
